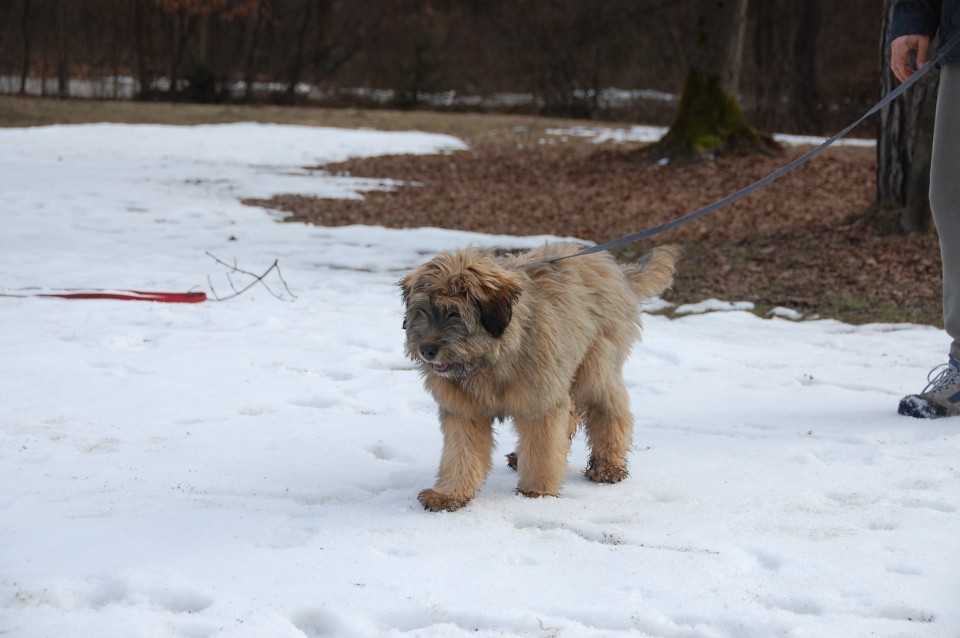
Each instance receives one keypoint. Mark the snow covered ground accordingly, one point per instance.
(643, 133)
(249, 467)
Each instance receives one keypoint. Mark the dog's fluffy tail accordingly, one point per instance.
(654, 272)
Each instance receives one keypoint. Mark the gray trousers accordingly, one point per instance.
(945, 196)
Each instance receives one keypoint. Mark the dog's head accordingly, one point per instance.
(458, 305)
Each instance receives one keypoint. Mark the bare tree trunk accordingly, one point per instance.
(708, 118)
(141, 54)
(254, 25)
(44, 67)
(181, 32)
(63, 68)
(719, 50)
(296, 66)
(806, 89)
(25, 34)
(176, 50)
(904, 143)
(116, 47)
(917, 215)
(203, 38)
(787, 91)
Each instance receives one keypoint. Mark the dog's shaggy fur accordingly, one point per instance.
(542, 343)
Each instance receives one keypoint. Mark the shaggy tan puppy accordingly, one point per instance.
(542, 343)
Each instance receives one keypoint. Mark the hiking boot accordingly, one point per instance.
(940, 398)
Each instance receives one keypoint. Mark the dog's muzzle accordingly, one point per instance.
(429, 351)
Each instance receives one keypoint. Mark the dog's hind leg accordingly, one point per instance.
(542, 449)
(464, 464)
(601, 396)
(609, 428)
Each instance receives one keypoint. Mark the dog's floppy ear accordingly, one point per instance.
(407, 284)
(494, 296)
(406, 290)
(495, 314)
(406, 287)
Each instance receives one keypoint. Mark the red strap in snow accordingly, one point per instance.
(124, 295)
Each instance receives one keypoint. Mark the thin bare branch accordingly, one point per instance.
(239, 289)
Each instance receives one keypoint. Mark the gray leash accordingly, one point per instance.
(777, 174)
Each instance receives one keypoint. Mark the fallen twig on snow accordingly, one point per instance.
(257, 279)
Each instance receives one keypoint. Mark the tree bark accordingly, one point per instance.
(721, 25)
(708, 118)
(63, 68)
(295, 73)
(140, 43)
(787, 88)
(254, 26)
(904, 143)
(25, 28)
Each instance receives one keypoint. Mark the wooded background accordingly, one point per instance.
(807, 67)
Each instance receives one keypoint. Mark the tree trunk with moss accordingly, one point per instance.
(708, 119)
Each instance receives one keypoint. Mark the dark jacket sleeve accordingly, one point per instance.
(915, 17)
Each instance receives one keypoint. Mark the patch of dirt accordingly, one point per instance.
(805, 242)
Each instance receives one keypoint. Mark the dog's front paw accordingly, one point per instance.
(534, 493)
(512, 460)
(600, 471)
(439, 502)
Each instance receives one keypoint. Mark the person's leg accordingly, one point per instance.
(941, 397)
(945, 196)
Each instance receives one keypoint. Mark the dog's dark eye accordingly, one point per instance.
(452, 315)
(404, 323)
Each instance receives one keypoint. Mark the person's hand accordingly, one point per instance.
(900, 54)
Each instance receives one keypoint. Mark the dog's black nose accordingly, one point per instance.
(429, 351)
